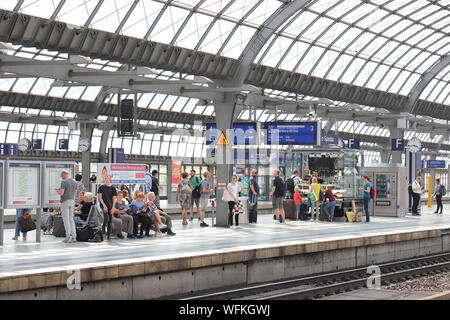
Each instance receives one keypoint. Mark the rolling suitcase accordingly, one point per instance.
(304, 212)
(289, 208)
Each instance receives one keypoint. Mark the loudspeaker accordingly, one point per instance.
(126, 109)
(126, 127)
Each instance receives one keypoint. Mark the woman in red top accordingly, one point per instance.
(297, 201)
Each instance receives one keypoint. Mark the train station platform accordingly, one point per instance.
(198, 258)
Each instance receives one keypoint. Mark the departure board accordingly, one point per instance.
(292, 133)
(23, 184)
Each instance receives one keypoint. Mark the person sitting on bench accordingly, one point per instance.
(164, 217)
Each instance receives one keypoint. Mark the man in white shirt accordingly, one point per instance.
(416, 194)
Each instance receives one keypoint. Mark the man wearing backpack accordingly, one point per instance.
(277, 195)
(195, 198)
(155, 186)
(439, 191)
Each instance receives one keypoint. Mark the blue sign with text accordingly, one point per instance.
(330, 139)
(36, 144)
(353, 143)
(398, 144)
(292, 133)
(8, 149)
(63, 144)
(435, 164)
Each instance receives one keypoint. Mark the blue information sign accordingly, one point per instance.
(243, 133)
(292, 133)
(36, 144)
(353, 143)
(63, 144)
(8, 149)
(435, 164)
(398, 144)
(330, 139)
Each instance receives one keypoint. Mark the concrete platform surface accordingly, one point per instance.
(19, 257)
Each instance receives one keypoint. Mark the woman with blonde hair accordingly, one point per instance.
(314, 193)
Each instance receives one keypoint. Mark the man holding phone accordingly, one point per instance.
(67, 194)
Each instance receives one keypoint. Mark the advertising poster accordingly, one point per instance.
(121, 173)
(23, 184)
(176, 174)
(52, 181)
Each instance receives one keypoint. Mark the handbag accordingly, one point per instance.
(238, 208)
(26, 223)
(226, 196)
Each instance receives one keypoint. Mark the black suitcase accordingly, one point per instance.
(58, 227)
(85, 233)
(304, 212)
(289, 209)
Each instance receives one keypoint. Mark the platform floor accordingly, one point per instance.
(25, 257)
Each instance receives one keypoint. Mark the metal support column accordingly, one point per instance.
(38, 224)
(396, 133)
(86, 133)
(224, 154)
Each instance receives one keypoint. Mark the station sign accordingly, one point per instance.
(436, 164)
(292, 133)
(353, 143)
(63, 144)
(36, 144)
(8, 149)
(330, 139)
(116, 155)
(398, 144)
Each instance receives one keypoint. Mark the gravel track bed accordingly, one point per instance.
(438, 282)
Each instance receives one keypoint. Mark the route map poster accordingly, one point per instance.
(23, 185)
(52, 181)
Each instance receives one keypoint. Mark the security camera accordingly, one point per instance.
(311, 114)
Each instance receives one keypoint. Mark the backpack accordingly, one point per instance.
(372, 192)
(196, 193)
(154, 188)
(410, 190)
(443, 190)
(290, 185)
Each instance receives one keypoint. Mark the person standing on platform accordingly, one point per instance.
(231, 195)
(314, 195)
(155, 186)
(80, 188)
(330, 205)
(107, 196)
(194, 180)
(277, 195)
(206, 192)
(183, 196)
(416, 194)
(147, 186)
(19, 214)
(253, 197)
(67, 192)
(439, 192)
(296, 178)
(366, 195)
(297, 202)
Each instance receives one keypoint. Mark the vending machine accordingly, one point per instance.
(391, 189)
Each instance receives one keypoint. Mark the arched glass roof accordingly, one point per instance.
(388, 45)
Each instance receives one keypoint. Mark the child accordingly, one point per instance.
(297, 201)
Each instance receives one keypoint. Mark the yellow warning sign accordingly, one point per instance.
(222, 141)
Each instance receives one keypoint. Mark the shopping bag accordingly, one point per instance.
(26, 223)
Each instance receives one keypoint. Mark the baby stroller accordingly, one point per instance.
(92, 231)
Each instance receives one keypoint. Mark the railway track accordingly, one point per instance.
(314, 287)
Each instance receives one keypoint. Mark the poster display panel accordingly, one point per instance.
(293, 133)
(121, 173)
(23, 184)
(52, 181)
(176, 174)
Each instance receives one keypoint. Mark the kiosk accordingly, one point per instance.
(390, 184)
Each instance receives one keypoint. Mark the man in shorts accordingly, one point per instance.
(194, 180)
(277, 195)
(206, 192)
